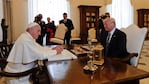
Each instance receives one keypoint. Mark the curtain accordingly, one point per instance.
(48, 8)
(1, 16)
(122, 11)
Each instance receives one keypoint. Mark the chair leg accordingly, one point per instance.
(34, 79)
(34, 76)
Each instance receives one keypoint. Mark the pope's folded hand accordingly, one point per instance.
(59, 49)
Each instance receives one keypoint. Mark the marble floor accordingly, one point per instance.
(143, 63)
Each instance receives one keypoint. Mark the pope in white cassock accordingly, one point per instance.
(25, 51)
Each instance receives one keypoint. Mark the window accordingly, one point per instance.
(1, 16)
(122, 11)
(48, 8)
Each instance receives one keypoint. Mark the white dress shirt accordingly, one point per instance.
(111, 33)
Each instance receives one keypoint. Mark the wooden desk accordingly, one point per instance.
(112, 72)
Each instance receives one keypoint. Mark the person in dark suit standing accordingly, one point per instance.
(114, 41)
(38, 19)
(68, 23)
(101, 28)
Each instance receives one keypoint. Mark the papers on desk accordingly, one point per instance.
(79, 50)
(65, 55)
(86, 47)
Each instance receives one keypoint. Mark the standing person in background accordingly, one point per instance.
(101, 28)
(50, 30)
(68, 23)
(107, 14)
(43, 28)
(25, 52)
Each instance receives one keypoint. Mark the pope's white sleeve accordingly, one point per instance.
(49, 52)
(45, 52)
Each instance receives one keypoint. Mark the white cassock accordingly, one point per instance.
(22, 56)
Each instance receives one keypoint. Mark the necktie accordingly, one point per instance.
(107, 43)
(108, 38)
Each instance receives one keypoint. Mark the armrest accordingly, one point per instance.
(3, 60)
(20, 74)
(32, 72)
(127, 58)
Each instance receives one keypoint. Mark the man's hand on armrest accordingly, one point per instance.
(127, 58)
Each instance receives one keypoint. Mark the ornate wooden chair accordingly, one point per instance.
(59, 34)
(135, 40)
(92, 35)
(4, 52)
(75, 38)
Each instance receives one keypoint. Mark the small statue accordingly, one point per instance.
(4, 29)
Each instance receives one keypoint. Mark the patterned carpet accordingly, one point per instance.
(144, 61)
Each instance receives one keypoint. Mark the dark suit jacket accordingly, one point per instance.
(69, 26)
(117, 45)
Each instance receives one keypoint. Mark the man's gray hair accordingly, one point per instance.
(109, 19)
(32, 24)
(112, 20)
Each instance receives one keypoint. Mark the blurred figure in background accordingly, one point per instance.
(68, 23)
(50, 30)
(38, 19)
(101, 28)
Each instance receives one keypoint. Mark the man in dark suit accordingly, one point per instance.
(68, 23)
(43, 28)
(114, 41)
